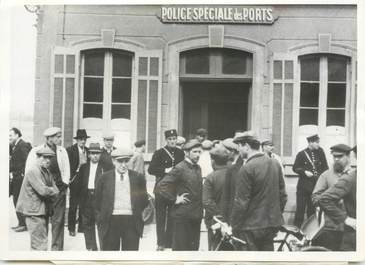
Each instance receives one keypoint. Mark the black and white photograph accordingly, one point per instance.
(183, 128)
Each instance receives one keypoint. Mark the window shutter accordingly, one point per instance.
(149, 82)
(63, 85)
(283, 76)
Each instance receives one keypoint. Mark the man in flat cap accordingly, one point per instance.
(120, 198)
(260, 197)
(180, 141)
(205, 161)
(137, 161)
(201, 135)
(77, 155)
(332, 234)
(268, 147)
(107, 149)
(60, 170)
(213, 192)
(18, 153)
(182, 186)
(343, 190)
(89, 175)
(163, 160)
(35, 198)
(309, 164)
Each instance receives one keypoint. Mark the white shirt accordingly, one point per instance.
(205, 162)
(92, 175)
(122, 195)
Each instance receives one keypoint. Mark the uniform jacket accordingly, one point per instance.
(230, 188)
(106, 158)
(344, 189)
(302, 164)
(38, 186)
(161, 160)
(104, 200)
(62, 159)
(213, 193)
(84, 173)
(260, 194)
(73, 156)
(183, 178)
(137, 163)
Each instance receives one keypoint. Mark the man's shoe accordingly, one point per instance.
(72, 233)
(20, 229)
(160, 248)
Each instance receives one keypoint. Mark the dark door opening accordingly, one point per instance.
(220, 107)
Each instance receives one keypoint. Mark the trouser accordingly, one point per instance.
(38, 230)
(88, 221)
(329, 239)
(58, 220)
(122, 233)
(213, 239)
(163, 222)
(74, 204)
(258, 239)
(186, 234)
(349, 240)
(16, 186)
(304, 204)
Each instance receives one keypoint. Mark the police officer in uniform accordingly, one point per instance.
(309, 164)
(163, 160)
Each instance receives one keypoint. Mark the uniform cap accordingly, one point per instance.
(94, 148)
(341, 148)
(140, 143)
(207, 144)
(121, 153)
(51, 131)
(108, 136)
(229, 144)
(313, 138)
(45, 151)
(170, 133)
(191, 144)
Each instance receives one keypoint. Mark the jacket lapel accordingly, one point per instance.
(133, 188)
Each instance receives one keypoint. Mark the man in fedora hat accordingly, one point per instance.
(77, 155)
(163, 160)
(35, 198)
(120, 198)
(183, 186)
(60, 170)
(88, 175)
(309, 164)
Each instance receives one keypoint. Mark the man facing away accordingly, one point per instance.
(35, 198)
(260, 197)
(309, 164)
(77, 155)
(60, 170)
(120, 197)
(18, 153)
(137, 161)
(182, 186)
(332, 234)
(163, 160)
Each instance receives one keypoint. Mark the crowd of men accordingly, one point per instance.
(239, 180)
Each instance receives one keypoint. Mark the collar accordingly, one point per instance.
(190, 163)
(125, 175)
(82, 150)
(16, 142)
(259, 154)
(216, 167)
(170, 149)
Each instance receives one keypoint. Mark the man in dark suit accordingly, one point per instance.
(163, 160)
(18, 153)
(77, 155)
(309, 164)
(120, 198)
(89, 174)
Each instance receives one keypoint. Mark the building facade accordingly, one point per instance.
(284, 71)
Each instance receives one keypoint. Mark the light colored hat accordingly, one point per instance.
(180, 140)
(45, 151)
(121, 153)
(51, 131)
(207, 144)
(229, 144)
(108, 136)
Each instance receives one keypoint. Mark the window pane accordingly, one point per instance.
(234, 62)
(309, 68)
(121, 111)
(278, 70)
(93, 111)
(142, 65)
(309, 95)
(121, 91)
(197, 62)
(337, 68)
(58, 64)
(336, 118)
(336, 95)
(122, 64)
(289, 68)
(308, 117)
(94, 63)
(93, 89)
(154, 66)
(70, 64)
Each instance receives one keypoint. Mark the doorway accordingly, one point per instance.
(220, 107)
